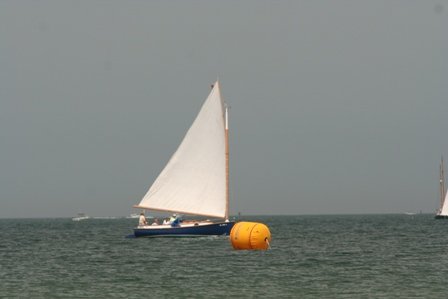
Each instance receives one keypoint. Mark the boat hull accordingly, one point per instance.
(441, 217)
(209, 229)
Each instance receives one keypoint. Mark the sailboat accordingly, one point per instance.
(80, 216)
(442, 212)
(195, 181)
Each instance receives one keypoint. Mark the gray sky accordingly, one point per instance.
(337, 106)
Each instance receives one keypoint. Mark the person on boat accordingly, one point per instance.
(173, 217)
(156, 222)
(142, 220)
(166, 221)
(174, 220)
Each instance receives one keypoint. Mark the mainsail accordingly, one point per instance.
(443, 210)
(194, 180)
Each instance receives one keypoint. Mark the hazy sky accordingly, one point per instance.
(337, 106)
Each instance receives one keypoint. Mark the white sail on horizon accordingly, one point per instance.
(194, 180)
(444, 208)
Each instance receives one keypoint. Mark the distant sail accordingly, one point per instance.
(194, 180)
(442, 212)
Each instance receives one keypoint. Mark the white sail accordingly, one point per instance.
(194, 180)
(444, 208)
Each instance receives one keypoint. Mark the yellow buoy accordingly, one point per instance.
(250, 235)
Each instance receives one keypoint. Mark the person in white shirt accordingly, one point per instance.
(142, 220)
(174, 220)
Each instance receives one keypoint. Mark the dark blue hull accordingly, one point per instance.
(212, 229)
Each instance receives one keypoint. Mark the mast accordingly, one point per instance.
(227, 159)
(442, 185)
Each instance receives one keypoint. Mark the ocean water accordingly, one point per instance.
(353, 256)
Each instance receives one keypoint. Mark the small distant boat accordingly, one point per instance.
(409, 213)
(136, 216)
(442, 212)
(133, 216)
(80, 216)
(196, 179)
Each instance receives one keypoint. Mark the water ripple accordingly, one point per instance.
(364, 256)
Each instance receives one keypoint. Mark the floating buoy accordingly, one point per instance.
(250, 235)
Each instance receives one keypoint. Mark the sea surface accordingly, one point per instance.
(346, 256)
